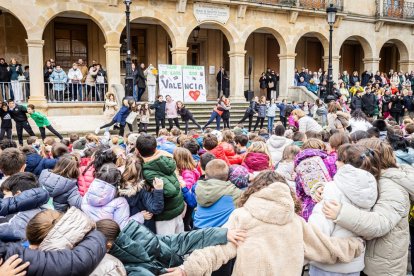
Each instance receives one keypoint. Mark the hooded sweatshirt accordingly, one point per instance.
(353, 186)
(276, 145)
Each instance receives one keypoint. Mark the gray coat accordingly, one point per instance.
(261, 111)
(64, 191)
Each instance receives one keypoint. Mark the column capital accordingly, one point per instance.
(112, 47)
(237, 53)
(334, 58)
(371, 60)
(287, 56)
(35, 43)
(179, 50)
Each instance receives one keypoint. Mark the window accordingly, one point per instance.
(71, 44)
(138, 48)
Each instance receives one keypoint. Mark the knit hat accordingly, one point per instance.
(239, 176)
(79, 144)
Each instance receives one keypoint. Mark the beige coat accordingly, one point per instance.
(278, 240)
(386, 226)
(69, 231)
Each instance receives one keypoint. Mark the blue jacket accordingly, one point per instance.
(190, 196)
(81, 260)
(23, 201)
(13, 225)
(261, 110)
(405, 157)
(215, 215)
(59, 80)
(64, 191)
(121, 116)
(14, 72)
(163, 144)
(271, 110)
(282, 108)
(36, 164)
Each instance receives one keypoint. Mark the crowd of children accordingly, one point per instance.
(201, 203)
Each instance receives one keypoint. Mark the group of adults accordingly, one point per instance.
(11, 75)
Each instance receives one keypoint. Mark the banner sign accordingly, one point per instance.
(211, 12)
(171, 81)
(183, 83)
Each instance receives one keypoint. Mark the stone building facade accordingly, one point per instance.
(279, 34)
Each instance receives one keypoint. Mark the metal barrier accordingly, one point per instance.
(306, 4)
(55, 92)
(395, 9)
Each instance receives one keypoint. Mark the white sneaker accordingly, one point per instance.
(107, 135)
(97, 130)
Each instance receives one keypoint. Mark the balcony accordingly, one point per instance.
(395, 10)
(304, 4)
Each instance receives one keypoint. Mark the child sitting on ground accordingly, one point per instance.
(186, 167)
(286, 167)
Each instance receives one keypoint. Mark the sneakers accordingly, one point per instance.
(97, 130)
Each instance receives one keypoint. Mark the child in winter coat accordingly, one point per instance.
(286, 167)
(144, 253)
(6, 122)
(312, 165)
(120, 117)
(186, 167)
(257, 158)
(268, 212)
(61, 183)
(354, 183)
(186, 115)
(101, 201)
(51, 230)
(229, 148)
(140, 197)
(144, 114)
(271, 114)
(211, 144)
(42, 122)
(261, 113)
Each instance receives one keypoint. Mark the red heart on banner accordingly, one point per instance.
(194, 94)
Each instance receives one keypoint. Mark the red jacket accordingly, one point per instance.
(85, 180)
(218, 152)
(234, 159)
(256, 162)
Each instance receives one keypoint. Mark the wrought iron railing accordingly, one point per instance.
(306, 4)
(396, 9)
(269, 2)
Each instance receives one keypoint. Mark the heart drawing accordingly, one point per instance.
(194, 94)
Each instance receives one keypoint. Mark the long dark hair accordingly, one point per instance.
(104, 154)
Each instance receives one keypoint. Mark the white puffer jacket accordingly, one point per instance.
(353, 186)
(276, 145)
(386, 227)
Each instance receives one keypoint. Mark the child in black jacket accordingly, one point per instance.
(6, 122)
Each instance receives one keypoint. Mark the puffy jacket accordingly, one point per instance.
(40, 119)
(271, 110)
(165, 145)
(36, 164)
(145, 254)
(276, 146)
(256, 162)
(62, 190)
(139, 199)
(307, 123)
(100, 202)
(369, 102)
(190, 177)
(13, 224)
(405, 157)
(85, 179)
(23, 201)
(159, 109)
(353, 186)
(121, 116)
(231, 154)
(219, 153)
(356, 103)
(386, 227)
(81, 260)
(261, 110)
(59, 79)
(359, 125)
(164, 168)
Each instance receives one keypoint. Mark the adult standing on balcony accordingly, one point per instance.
(90, 83)
(58, 78)
(47, 71)
(141, 80)
(83, 67)
(5, 79)
(151, 74)
(74, 78)
(100, 82)
(15, 72)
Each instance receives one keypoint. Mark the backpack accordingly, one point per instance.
(310, 171)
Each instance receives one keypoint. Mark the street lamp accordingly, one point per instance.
(331, 17)
(129, 79)
(196, 33)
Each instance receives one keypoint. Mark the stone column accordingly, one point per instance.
(113, 64)
(237, 59)
(287, 73)
(371, 64)
(335, 66)
(179, 55)
(406, 65)
(37, 88)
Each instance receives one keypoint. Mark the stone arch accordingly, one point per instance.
(320, 36)
(55, 10)
(402, 47)
(19, 16)
(365, 44)
(280, 39)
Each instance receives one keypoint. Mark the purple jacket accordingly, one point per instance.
(329, 161)
(100, 203)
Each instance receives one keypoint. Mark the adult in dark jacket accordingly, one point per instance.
(220, 78)
(159, 107)
(356, 102)
(369, 103)
(365, 78)
(186, 115)
(36, 163)
(397, 107)
(81, 260)
(409, 103)
(386, 99)
(18, 114)
(141, 80)
(143, 253)
(250, 111)
(5, 79)
(354, 79)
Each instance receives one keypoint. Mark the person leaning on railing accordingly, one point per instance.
(58, 78)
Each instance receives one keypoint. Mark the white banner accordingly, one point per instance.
(211, 12)
(171, 81)
(194, 83)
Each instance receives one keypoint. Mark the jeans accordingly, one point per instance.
(143, 127)
(49, 127)
(135, 92)
(245, 117)
(270, 121)
(19, 129)
(193, 120)
(283, 120)
(172, 121)
(5, 132)
(261, 120)
(140, 93)
(214, 116)
(159, 122)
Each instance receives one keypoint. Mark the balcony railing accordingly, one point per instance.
(306, 4)
(395, 9)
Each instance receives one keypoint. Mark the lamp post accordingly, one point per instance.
(331, 14)
(129, 79)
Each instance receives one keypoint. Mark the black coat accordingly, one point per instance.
(81, 260)
(369, 101)
(159, 109)
(253, 108)
(385, 101)
(185, 114)
(365, 78)
(46, 74)
(356, 103)
(4, 73)
(140, 78)
(18, 113)
(409, 103)
(397, 105)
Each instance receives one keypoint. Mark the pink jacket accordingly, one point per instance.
(190, 177)
(85, 180)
